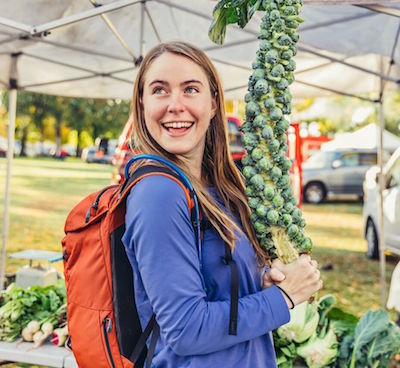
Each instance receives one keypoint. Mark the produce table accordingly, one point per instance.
(47, 355)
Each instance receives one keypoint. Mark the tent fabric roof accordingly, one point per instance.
(363, 138)
(85, 58)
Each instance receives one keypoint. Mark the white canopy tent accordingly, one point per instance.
(363, 138)
(86, 49)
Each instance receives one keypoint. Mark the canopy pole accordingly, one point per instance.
(12, 110)
(142, 16)
(381, 231)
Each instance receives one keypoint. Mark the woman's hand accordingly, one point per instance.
(272, 276)
(301, 278)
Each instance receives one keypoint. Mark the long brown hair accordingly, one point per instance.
(217, 166)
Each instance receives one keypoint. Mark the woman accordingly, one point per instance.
(178, 110)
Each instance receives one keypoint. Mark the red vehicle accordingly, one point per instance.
(123, 152)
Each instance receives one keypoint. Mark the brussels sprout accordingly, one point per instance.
(247, 161)
(290, 10)
(287, 55)
(252, 109)
(296, 215)
(249, 191)
(269, 103)
(254, 202)
(253, 217)
(281, 126)
(287, 109)
(275, 113)
(284, 40)
(290, 66)
(260, 227)
(262, 210)
(288, 207)
(287, 193)
(273, 145)
(250, 139)
(272, 217)
(259, 121)
(282, 84)
(267, 132)
(269, 192)
(278, 70)
(257, 154)
(299, 237)
(264, 164)
(258, 182)
(272, 56)
(284, 97)
(267, 243)
(306, 245)
(258, 74)
(301, 223)
(247, 97)
(277, 201)
(278, 25)
(294, 36)
(276, 173)
(249, 172)
(293, 48)
(284, 181)
(261, 87)
(287, 164)
(274, 15)
(290, 77)
(265, 45)
(292, 24)
(264, 35)
(286, 219)
(293, 230)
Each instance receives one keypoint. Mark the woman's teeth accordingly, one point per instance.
(178, 125)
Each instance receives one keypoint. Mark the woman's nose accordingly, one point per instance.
(175, 103)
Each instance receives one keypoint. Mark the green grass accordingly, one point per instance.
(339, 247)
(44, 190)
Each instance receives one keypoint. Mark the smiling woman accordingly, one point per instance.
(207, 314)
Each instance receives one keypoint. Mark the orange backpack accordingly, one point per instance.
(103, 322)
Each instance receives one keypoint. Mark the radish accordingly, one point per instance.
(33, 326)
(47, 328)
(27, 335)
(59, 336)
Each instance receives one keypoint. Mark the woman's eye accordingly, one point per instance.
(158, 90)
(191, 90)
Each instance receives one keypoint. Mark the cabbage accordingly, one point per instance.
(320, 351)
(303, 323)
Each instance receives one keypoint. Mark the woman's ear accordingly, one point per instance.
(213, 107)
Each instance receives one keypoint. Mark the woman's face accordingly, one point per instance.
(177, 105)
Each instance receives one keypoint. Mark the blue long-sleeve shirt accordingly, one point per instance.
(160, 244)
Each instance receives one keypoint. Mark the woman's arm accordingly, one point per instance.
(163, 242)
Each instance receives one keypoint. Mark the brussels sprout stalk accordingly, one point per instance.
(278, 223)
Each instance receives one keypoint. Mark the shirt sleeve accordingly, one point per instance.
(164, 245)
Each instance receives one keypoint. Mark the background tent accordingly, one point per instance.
(364, 138)
(85, 49)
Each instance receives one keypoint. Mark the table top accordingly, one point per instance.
(38, 255)
(47, 354)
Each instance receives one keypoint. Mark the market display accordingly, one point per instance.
(35, 314)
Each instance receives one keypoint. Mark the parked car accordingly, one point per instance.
(123, 151)
(391, 207)
(339, 172)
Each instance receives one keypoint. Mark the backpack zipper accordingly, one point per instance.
(107, 327)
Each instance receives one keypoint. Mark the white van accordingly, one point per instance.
(391, 207)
